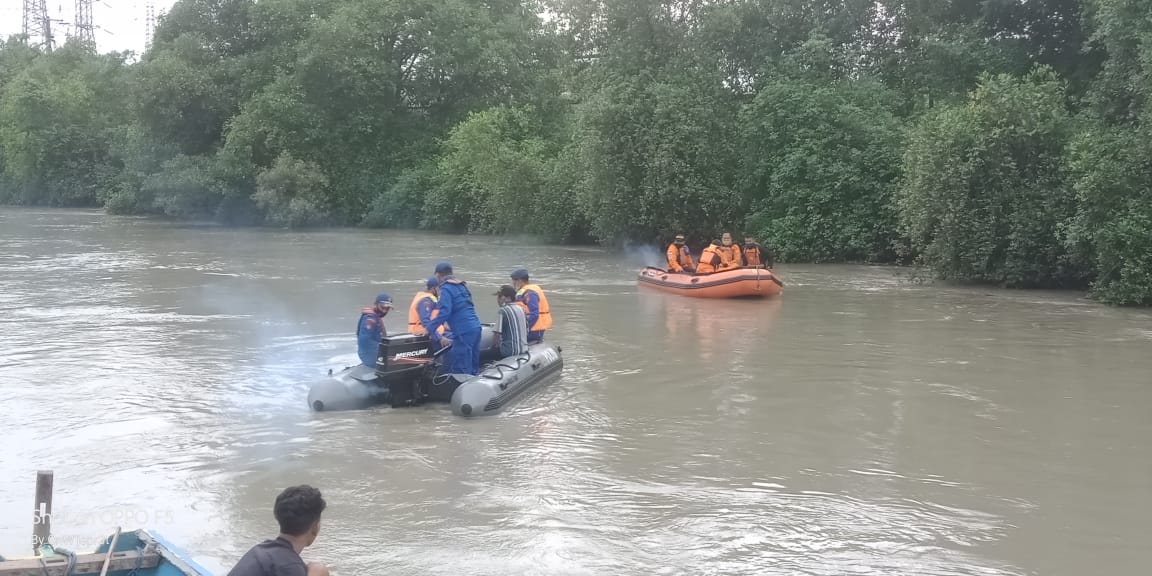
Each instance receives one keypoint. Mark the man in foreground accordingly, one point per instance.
(512, 329)
(457, 310)
(297, 510)
(371, 329)
(536, 309)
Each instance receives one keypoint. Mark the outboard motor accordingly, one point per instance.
(401, 363)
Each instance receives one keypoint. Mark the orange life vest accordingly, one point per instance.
(414, 324)
(752, 255)
(729, 257)
(734, 255)
(544, 322)
(709, 259)
(679, 258)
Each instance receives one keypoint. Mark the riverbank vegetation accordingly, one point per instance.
(1005, 142)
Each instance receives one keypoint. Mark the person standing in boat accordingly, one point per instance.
(297, 510)
(371, 329)
(679, 257)
(512, 329)
(423, 310)
(537, 311)
(455, 308)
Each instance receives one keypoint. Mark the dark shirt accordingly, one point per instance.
(271, 558)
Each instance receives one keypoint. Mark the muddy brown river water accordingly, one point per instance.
(859, 424)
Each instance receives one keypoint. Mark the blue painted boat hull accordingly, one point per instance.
(133, 551)
(174, 561)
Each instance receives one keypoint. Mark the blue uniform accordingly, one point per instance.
(368, 335)
(424, 311)
(457, 310)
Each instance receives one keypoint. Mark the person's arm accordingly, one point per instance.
(424, 312)
(444, 305)
(765, 256)
(674, 259)
(523, 328)
(501, 320)
(725, 254)
(369, 327)
(498, 330)
(532, 301)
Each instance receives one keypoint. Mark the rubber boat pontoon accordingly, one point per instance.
(408, 374)
(748, 282)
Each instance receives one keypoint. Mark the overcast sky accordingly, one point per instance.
(120, 23)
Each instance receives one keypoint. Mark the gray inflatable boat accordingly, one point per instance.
(506, 380)
(408, 374)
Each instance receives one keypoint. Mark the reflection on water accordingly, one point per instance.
(860, 424)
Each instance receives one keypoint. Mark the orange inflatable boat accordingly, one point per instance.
(749, 282)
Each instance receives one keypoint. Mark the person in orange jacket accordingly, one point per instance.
(714, 258)
(536, 309)
(423, 310)
(755, 254)
(731, 250)
(717, 257)
(679, 257)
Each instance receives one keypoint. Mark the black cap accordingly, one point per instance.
(506, 290)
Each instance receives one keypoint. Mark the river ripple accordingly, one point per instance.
(861, 424)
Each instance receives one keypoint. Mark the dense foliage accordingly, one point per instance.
(1007, 142)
